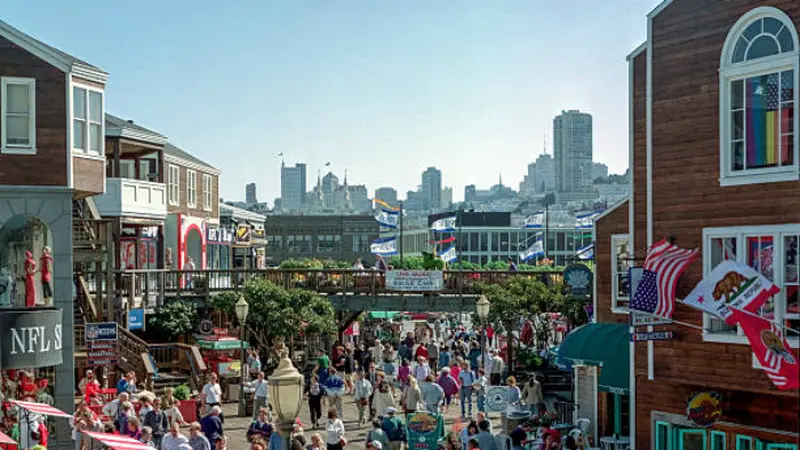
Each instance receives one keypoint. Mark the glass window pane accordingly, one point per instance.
(737, 94)
(95, 106)
(717, 440)
(772, 25)
(18, 99)
(18, 129)
(763, 46)
(95, 138)
(738, 125)
(787, 86)
(722, 249)
(692, 440)
(738, 156)
(787, 150)
(790, 257)
(785, 39)
(739, 50)
(763, 121)
(79, 103)
(752, 31)
(79, 134)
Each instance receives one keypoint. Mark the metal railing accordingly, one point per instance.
(566, 412)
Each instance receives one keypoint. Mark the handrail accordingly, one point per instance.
(347, 271)
(87, 298)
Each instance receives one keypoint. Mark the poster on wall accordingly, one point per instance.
(127, 254)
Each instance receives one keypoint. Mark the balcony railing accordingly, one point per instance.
(131, 197)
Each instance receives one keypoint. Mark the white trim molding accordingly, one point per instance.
(89, 90)
(191, 164)
(18, 149)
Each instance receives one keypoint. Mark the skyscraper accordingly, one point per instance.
(250, 194)
(293, 187)
(572, 148)
(431, 188)
(447, 197)
(387, 194)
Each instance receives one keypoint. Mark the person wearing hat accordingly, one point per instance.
(394, 429)
(376, 434)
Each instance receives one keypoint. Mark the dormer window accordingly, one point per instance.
(17, 115)
(758, 80)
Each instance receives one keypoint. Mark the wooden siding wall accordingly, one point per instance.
(183, 207)
(48, 167)
(88, 175)
(687, 42)
(616, 222)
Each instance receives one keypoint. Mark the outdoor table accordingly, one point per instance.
(612, 443)
(108, 394)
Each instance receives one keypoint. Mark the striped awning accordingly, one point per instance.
(41, 408)
(6, 440)
(117, 442)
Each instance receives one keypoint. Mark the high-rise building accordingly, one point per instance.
(431, 188)
(447, 198)
(599, 170)
(387, 194)
(572, 148)
(293, 187)
(250, 194)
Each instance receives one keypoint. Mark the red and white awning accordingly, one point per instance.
(6, 440)
(117, 442)
(41, 408)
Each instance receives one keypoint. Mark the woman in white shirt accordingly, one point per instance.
(334, 429)
(212, 394)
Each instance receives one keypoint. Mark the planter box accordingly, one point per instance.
(188, 409)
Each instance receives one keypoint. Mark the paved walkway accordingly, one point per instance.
(236, 427)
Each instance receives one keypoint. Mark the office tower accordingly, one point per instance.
(470, 193)
(447, 198)
(387, 194)
(250, 194)
(431, 189)
(293, 187)
(572, 147)
(544, 174)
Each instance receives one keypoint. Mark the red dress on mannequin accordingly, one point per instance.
(30, 285)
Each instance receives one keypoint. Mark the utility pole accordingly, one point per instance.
(401, 232)
(546, 227)
(460, 223)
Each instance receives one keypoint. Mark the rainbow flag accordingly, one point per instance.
(766, 121)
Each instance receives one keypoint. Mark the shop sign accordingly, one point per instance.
(219, 235)
(414, 280)
(259, 233)
(704, 408)
(497, 399)
(652, 336)
(424, 431)
(136, 319)
(242, 234)
(101, 344)
(578, 278)
(229, 369)
(32, 338)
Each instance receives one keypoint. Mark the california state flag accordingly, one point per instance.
(770, 348)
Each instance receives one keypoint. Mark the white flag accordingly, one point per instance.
(444, 224)
(387, 218)
(583, 221)
(384, 246)
(536, 249)
(536, 220)
(449, 255)
(586, 252)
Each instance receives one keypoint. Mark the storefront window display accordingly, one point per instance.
(26, 263)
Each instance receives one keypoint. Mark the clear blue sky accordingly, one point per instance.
(382, 89)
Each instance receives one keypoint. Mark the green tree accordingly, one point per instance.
(277, 313)
(176, 318)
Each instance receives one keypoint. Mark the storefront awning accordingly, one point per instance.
(383, 314)
(605, 345)
(41, 408)
(6, 440)
(117, 442)
(226, 344)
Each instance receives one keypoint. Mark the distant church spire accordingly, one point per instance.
(501, 179)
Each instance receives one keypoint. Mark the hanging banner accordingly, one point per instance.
(424, 431)
(770, 348)
(536, 220)
(384, 246)
(387, 218)
(537, 249)
(586, 220)
(444, 224)
(449, 255)
(414, 280)
(586, 253)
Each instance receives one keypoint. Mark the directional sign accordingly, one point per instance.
(639, 319)
(652, 336)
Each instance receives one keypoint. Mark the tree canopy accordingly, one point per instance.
(277, 313)
(176, 318)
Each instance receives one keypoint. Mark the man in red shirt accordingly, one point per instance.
(45, 267)
(422, 352)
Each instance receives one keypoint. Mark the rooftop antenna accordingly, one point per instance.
(545, 142)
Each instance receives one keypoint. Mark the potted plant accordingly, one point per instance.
(188, 404)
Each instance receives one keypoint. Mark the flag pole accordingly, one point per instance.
(401, 233)
(546, 227)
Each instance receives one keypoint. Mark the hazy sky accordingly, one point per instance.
(383, 89)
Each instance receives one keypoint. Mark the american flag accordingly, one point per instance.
(664, 264)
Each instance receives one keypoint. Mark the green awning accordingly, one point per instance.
(601, 344)
(227, 344)
(383, 314)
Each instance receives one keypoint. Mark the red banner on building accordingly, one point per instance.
(770, 348)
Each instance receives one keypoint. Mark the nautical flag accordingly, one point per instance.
(449, 255)
(385, 205)
(534, 250)
(731, 284)
(586, 252)
(585, 220)
(770, 349)
(387, 218)
(444, 224)
(768, 118)
(536, 220)
(663, 266)
(384, 246)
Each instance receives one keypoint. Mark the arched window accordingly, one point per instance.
(759, 71)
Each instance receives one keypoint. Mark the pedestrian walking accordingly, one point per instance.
(394, 429)
(466, 379)
(260, 394)
(315, 393)
(334, 431)
(362, 394)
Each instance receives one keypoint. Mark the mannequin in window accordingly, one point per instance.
(30, 285)
(46, 269)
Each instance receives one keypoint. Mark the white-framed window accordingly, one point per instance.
(773, 251)
(207, 192)
(174, 184)
(191, 188)
(87, 120)
(759, 74)
(18, 115)
(620, 266)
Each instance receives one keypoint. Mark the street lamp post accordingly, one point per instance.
(482, 308)
(242, 308)
(286, 394)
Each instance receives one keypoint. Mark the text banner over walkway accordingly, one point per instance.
(30, 338)
(414, 280)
